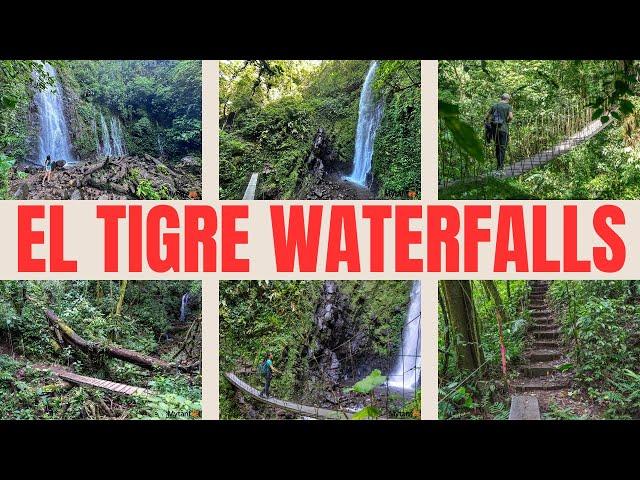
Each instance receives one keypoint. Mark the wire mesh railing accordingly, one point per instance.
(533, 140)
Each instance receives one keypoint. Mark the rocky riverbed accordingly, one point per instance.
(110, 178)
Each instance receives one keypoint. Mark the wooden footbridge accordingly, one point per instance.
(302, 410)
(84, 381)
(536, 142)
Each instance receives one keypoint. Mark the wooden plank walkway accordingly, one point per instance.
(302, 410)
(250, 192)
(539, 159)
(114, 387)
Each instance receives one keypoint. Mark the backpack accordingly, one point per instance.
(263, 369)
(496, 117)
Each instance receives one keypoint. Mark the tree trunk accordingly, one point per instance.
(123, 291)
(447, 331)
(462, 314)
(501, 317)
(64, 333)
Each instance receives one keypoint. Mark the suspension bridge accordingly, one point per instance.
(533, 142)
(301, 410)
(402, 379)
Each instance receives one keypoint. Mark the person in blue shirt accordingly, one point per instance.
(267, 372)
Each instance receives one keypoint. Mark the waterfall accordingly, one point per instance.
(369, 117)
(116, 137)
(105, 150)
(112, 143)
(54, 135)
(406, 371)
(183, 307)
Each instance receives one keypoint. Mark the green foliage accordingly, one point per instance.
(600, 320)
(368, 383)
(88, 308)
(146, 191)
(159, 102)
(542, 92)
(258, 317)
(271, 110)
(462, 396)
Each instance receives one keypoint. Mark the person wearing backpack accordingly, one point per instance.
(267, 369)
(498, 118)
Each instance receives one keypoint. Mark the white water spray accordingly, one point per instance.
(406, 371)
(183, 307)
(54, 135)
(369, 117)
(112, 141)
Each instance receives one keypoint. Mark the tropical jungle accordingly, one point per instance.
(550, 350)
(108, 129)
(339, 349)
(100, 350)
(332, 129)
(574, 134)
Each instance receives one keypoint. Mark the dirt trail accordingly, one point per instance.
(545, 352)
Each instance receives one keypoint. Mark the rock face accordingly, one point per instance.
(111, 178)
(325, 181)
(338, 342)
(323, 157)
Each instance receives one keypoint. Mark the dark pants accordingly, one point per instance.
(502, 139)
(267, 384)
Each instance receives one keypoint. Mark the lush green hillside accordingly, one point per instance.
(545, 96)
(142, 316)
(270, 112)
(301, 323)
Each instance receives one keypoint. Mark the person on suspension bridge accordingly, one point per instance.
(497, 127)
(267, 369)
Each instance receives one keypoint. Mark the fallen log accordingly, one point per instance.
(68, 335)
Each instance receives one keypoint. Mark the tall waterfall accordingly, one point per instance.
(369, 117)
(111, 134)
(54, 135)
(406, 371)
(116, 137)
(183, 307)
(105, 149)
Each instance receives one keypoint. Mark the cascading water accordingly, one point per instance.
(112, 143)
(117, 145)
(54, 135)
(183, 307)
(406, 371)
(369, 117)
(105, 150)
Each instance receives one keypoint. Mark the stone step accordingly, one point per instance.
(546, 334)
(543, 326)
(541, 369)
(524, 407)
(538, 308)
(541, 312)
(544, 344)
(543, 355)
(544, 321)
(537, 384)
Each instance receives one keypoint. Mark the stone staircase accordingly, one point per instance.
(545, 352)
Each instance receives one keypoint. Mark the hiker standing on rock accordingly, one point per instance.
(497, 126)
(48, 164)
(267, 369)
